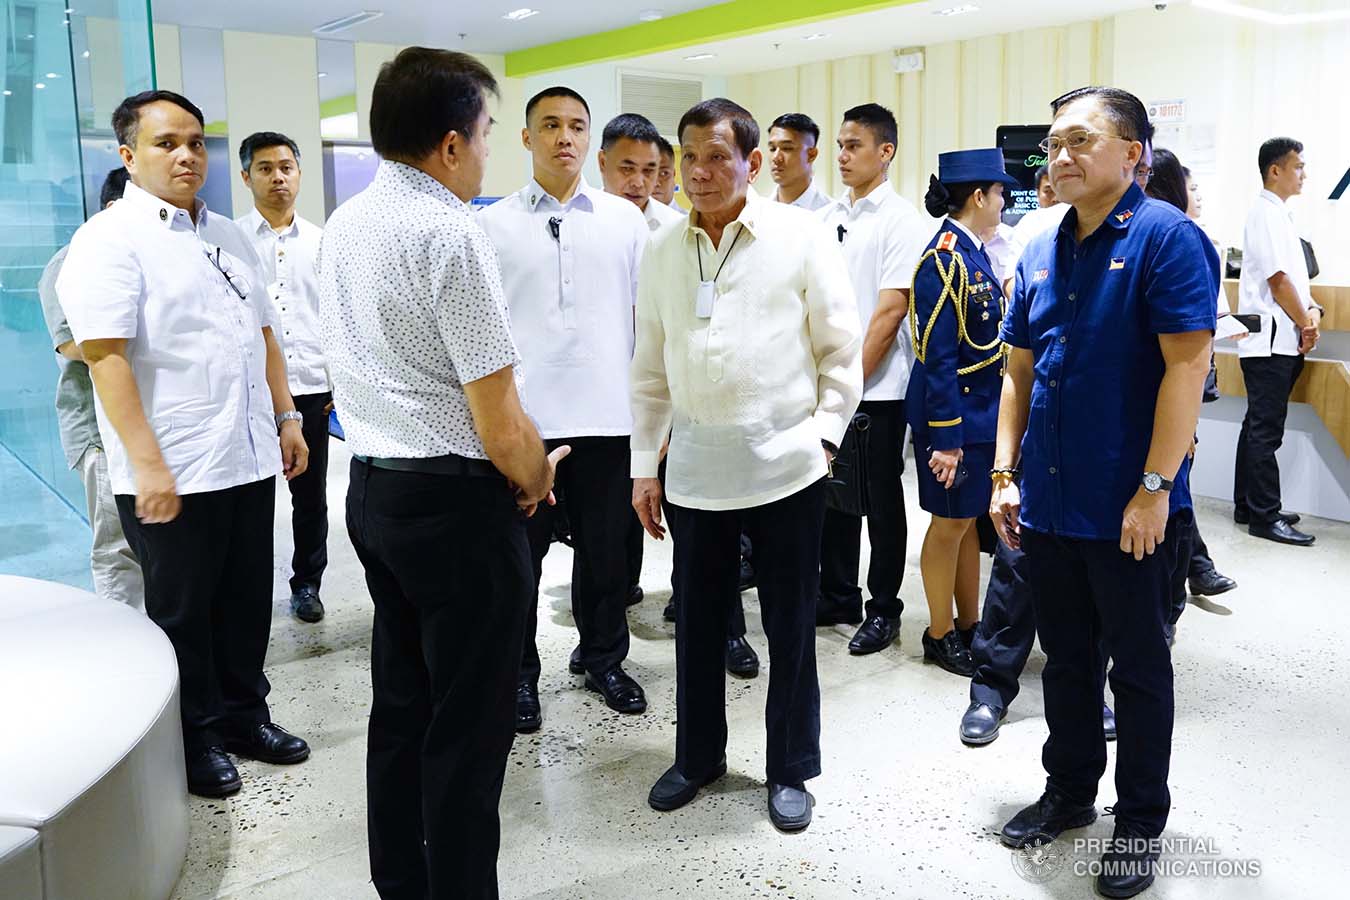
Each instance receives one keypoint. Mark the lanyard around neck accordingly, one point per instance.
(699, 247)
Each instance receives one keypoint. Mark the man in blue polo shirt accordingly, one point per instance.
(1110, 330)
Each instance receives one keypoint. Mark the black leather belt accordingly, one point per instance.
(449, 464)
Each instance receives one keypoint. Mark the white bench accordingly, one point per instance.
(92, 787)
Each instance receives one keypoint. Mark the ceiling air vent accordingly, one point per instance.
(663, 100)
(351, 21)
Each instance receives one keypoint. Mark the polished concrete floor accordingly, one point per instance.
(903, 809)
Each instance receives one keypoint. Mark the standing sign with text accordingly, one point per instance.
(1022, 156)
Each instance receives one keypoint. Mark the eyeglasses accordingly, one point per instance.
(225, 273)
(1073, 141)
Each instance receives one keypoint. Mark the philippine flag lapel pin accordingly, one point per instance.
(1117, 263)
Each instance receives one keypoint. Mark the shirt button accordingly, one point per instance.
(1052, 470)
(567, 281)
(1063, 339)
(1073, 296)
(1054, 383)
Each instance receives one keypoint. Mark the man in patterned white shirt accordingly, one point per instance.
(288, 248)
(748, 358)
(444, 461)
(570, 256)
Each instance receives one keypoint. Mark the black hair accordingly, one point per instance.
(114, 183)
(1274, 150)
(556, 91)
(126, 119)
(261, 140)
(422, 95)
(1168, 181)
(720, 109)
(800, 123)
(631, 126)
(1041, 174)
(949, 199)
(665, 147)
(876, 117)
(1125, 111)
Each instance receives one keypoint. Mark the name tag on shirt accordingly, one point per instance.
(703, 300)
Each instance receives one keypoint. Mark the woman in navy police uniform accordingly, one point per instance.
(956, 307)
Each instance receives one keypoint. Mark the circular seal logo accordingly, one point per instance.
(1040, 860)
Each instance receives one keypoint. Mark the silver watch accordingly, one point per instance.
(1153, 483)
(293, 415)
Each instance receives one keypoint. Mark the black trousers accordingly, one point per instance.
(309, 496)
(1256, 473)
(840, 548)
(786, 535)
(735, 605)
(1093, 602)
(448, 568)
(1200, 562)
(1006, 632)
(594, 476)
(208, 585)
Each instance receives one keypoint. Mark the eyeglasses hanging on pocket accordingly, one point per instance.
(214, 260)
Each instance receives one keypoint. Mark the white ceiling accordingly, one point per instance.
(422, 22)
(888, 29)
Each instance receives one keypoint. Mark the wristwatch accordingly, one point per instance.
(293, 415)
(1153, 483)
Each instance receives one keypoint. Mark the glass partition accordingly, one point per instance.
(63, 73)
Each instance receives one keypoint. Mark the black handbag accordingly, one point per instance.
(1211, 383)
(846, 486)
(1310, 258)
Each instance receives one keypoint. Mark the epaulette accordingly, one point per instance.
(947, 241)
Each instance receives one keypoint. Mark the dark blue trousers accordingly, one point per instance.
(1006, 632)
(1094, 602)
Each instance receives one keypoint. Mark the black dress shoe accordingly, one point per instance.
(269, 743)
(635, 595)
(789, 807)
(306, 605)
(672, 790)
(1243, 516)
(742, 661)
(528, 714)
(211, 774)
(967, 636)
(1108, 722)
(669, 612)
(1128, 867)
(980, 724)
(949, 653)
(747, 577)
(621, 692)
(877, 633)
(1281, 532)
(829, 614)
(1210, 584)
(1046, 819)
(574, 662)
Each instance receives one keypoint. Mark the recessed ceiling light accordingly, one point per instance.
(697, 56)
(9, 93)
(333, 26)
(818, 36)
(1271, 18)
(651, 15)
(517, 15)
(52, 75)
(323, 74)
(85, 54)
(39, 85)
(957, 10)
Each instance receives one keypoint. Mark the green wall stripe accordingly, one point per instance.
(711, 23)
(338, 106)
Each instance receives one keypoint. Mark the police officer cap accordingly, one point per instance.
(973, 166)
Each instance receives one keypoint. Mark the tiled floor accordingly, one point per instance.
(904, 810)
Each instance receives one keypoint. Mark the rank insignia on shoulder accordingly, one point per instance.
(947, 241)
(1117, 263)
(1040, 275)
(1124, 217)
